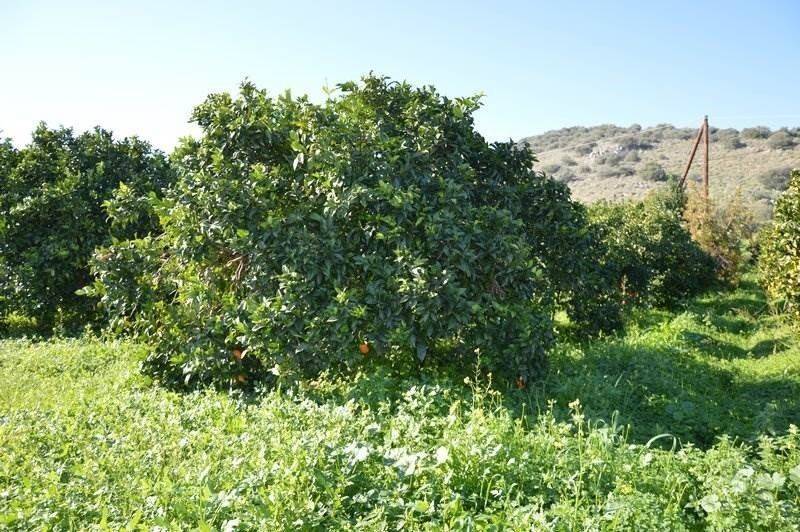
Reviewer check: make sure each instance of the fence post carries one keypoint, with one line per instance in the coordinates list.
(693, 152)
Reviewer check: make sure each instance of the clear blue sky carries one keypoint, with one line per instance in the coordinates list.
(140, 67)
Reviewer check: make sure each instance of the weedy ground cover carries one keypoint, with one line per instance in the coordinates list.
(682, 423)
(723, 364)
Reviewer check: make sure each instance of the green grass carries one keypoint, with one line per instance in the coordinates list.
(87, 442)
(723, 365)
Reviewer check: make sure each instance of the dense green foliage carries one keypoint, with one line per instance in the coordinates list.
(299, 233)
(89, 443)
(724, 230)
(780, 250)
(8, 161)
(52, 217)
(648, 252)
(589, 289)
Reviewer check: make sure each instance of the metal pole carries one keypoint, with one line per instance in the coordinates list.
(691, 155)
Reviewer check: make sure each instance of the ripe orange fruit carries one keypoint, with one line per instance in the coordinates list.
(237, 354)
(363, 347)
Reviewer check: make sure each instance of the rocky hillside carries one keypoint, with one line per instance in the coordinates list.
(612, 162)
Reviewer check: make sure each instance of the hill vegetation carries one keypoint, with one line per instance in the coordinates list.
(612, 162)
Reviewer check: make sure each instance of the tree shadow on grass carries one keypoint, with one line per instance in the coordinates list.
(652, 390)
(666, 390)
(733, 324)
(681, 386)
(734, 315)
(747, 298)
(769, 347)
(728, 351)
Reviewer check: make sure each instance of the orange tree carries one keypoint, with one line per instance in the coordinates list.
(301, 237)
(8, 160)
(779, 258)
(52, 217)
(647, 250)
